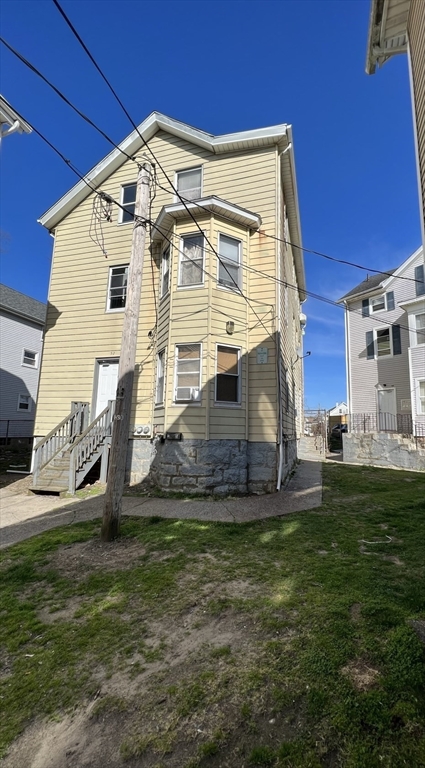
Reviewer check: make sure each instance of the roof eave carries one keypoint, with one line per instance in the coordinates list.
(294, 211)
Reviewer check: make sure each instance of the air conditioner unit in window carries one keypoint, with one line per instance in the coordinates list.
(183, 393)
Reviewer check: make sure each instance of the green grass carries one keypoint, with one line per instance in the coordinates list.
(322, 667)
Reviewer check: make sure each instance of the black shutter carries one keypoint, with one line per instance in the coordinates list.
(370, 346)
(396, 340)
(390, 300)
(420, 280)
(365, 307)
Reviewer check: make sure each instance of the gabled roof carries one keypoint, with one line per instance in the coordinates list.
(275, 135)
(371, 283)
(210, 204)
(24, 306)
(387, 31)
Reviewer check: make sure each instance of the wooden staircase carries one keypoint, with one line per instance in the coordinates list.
(65, 456)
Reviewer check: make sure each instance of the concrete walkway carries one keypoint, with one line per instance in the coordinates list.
(23, 516)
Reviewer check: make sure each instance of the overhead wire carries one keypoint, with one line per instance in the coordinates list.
(87, 119)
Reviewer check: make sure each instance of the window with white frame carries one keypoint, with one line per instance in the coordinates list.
(191, 260)
(128, 201)
(189, 183)
(29, 358)
(377, 303)
(165, 271)
(117, 288)
(421, 396)
(187, 384)
(24, 403)
(383, 342)
(420, 328)
(160, 374)
(229, 251)
(227, 386)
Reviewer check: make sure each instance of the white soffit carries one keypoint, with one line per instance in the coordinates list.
(387, 31)
(210, 204)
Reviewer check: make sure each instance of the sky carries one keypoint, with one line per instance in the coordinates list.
(222, 66)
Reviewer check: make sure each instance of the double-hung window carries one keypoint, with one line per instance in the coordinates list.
(383, 342)
(160, 375)
(128, 201)
(229, 251)
(117, 288)
(165, 271)
(191, 260)
(29, 358)
(189, 184)
(24, 403)
(377, 303)
(227, 388)
(420, 280)
(421, 402)
(420, 328)
(188, 373)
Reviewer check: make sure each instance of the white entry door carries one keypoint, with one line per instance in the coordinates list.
(107, 380)
(387, 410)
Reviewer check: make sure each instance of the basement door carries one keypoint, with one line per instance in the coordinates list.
(107, 379)
(387, 410)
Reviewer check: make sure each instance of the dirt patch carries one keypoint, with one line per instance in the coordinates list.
(47, 616)
(16, 484)
(393, 559)
(77, 560)
(361, 675)
(356, 612)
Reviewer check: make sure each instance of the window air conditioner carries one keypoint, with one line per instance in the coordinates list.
(183, 393)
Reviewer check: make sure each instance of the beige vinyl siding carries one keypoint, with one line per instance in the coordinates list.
(79, 330)
(416, 35)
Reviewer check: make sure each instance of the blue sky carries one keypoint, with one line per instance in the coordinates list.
(223, 67)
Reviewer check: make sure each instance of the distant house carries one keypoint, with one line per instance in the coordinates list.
(385, 350)
(21, 339)
(337, 414)
(398, 26)
(217, 399)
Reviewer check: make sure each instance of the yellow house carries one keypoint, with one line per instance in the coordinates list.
(217, 398)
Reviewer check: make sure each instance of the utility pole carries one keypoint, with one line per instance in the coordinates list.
(121, 424)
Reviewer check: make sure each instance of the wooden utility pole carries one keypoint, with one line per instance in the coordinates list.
(121, 424)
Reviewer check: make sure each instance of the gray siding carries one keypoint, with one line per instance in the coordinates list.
(392, 370)
(15, 378)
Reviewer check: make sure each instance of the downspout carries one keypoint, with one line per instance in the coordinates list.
(347, 361)
(279, 346)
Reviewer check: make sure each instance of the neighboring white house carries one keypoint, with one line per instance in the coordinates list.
(385, 350)
(340, 409)
(21, 339)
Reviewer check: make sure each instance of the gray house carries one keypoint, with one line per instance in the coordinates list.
(21, 339)
(385, 350)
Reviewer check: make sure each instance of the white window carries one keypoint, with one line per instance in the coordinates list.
(378, 303)
(229, 251)
(24, 403)
(191, 260)
(29, 358)
(188, 373)
(189, 183)
(422, 396)
(128, 201)
(165, 271)
(160, 371)
(420, 328)
(383, 342)
(117, 288)
(227, 381)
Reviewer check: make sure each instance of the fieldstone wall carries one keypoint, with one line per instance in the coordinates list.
(383, 449)
(206, 466)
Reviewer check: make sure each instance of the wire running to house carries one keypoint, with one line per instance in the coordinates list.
(88, 120)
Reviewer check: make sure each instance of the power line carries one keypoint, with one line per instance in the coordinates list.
(88, 120)
(92, 59)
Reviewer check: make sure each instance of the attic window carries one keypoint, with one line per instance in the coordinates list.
(189, 183)
(128, 201)
(378, 303)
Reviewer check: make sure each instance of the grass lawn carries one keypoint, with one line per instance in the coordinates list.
(286, 642)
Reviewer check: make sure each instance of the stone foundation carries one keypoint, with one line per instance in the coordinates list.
(207, 466)
(382, 449)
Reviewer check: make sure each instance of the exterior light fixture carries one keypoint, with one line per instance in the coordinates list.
(230, 327)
